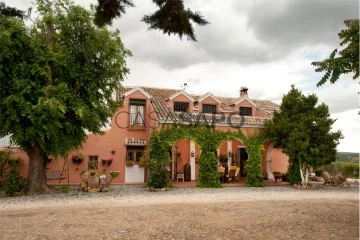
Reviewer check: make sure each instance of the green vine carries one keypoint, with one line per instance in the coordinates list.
(208, 139)
(254, 146)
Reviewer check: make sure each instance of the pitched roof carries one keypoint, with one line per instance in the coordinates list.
(164, 112)
(179, 93)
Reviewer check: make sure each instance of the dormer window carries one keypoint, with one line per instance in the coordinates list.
(137, 114)
(245, 111)
(209, 108)
(181, 107)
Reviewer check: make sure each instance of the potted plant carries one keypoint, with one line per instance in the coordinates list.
(109, 161)
(77, 158)
(80, 158)
(143, 162)
(129, 163)
(93, 164)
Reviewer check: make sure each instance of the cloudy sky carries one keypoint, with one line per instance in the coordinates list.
(264, 45)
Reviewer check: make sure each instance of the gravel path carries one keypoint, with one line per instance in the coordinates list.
(131, 195)
(131, 212)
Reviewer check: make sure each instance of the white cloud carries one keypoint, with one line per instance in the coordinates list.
(349, 124)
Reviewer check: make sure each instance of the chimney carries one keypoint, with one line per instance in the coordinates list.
(243, 92)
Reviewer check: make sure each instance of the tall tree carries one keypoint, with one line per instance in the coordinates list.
(303, 129)
(171, 17)
(347, 61)
(56, 81)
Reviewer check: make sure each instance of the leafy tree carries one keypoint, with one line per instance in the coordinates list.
(56, 81)
(10, 12)
(348, 61)
(303, 129)
(171, 17)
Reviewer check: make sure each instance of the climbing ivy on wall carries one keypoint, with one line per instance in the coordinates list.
(254, 145)
(208, 139)
(159, 159)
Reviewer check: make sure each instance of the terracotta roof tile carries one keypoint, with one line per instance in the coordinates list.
(164, 111)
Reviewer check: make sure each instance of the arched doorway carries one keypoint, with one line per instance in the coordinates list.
(243, 157)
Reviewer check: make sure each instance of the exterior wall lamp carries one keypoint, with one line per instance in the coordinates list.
(230, 154)
(192, 154)
(113, 151)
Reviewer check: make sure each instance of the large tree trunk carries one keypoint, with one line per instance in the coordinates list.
(37, 170)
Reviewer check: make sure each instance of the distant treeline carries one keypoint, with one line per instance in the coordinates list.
(347, 157)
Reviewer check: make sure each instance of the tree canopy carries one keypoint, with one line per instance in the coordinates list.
(302, 128)
(10, 12)
(171, 16)
(347, 61)
(57, 78)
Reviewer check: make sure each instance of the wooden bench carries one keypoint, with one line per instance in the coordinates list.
(55, 175)
(179, 176)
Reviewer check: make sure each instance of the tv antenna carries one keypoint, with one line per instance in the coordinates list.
(184, 86)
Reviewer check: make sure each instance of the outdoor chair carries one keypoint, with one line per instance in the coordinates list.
(236, 170)
(232, 175)
(221, 172)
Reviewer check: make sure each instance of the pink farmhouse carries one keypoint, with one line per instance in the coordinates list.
(144, 109)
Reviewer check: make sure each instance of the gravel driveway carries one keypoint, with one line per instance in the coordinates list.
(131, 212)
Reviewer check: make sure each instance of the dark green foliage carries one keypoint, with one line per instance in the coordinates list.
(254, 146)
(57, 78)
(208, 139)
(5, 161)
(159, 159)
(348, 61)
(171, 17)
(303, 130)
(294, 172)
(10, 12)
(65, 188)
(14, 184)
(347, 157)
(350, 169)
(107, 10)
(55, 114)
(209, 178)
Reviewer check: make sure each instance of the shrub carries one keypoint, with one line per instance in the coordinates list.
(14, 184)
(5, 160)
(64, 188)
(350, 169)
(293, 172)
(318, 172)
(114, 174)
(285, 177)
